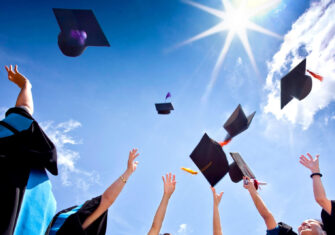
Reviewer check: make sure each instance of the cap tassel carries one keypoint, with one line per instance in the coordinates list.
(317, 76)
(189, 170)
(258, 183)
(224, 142)
(167, 95)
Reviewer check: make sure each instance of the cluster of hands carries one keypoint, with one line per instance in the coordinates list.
(311, 163)
(169, 180)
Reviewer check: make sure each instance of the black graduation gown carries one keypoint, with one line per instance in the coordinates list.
(69, 221)
(329, 220)
(282, 229)
(285, 229)
(20, 152)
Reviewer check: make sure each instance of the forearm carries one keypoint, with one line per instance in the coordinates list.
(216, 221)
(107, 199)
(113, 191)
(320, 194)
(263, 210)
(159, 216)
(25, 97)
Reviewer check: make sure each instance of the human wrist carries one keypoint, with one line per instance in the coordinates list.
(316, 174)
(167, 195)
(127, 174)
(216, 204)
(316, 170)
(252, 191)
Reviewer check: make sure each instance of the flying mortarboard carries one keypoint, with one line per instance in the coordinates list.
(79, 29)
(164, 108)
(295, 84)
(237, 123)
(211, 160)
(239, 168)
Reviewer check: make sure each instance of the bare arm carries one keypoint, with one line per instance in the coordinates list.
(260, 205)
(113, 191)
(216, 216)
(25, 97)
(169, 187)
(318, 189)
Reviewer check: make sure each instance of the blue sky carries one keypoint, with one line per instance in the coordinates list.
(98, 106)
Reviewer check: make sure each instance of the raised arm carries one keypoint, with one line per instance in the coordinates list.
(169, 187)
(260, 205)
(25, 97)
(216, 216)
(318, 189)
(113, 191)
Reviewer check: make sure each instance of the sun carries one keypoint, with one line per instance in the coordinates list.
(236, 21)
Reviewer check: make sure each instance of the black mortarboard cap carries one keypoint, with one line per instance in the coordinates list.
(79, 29)
(164, 108)
(210, 159)
(239, 168)
(295, 84)
(237, 122)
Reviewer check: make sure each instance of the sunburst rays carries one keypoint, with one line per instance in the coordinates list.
(236, 22)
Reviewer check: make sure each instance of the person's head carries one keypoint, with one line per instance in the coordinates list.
(311, 227)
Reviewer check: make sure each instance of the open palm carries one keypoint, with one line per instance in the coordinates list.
(310, 163)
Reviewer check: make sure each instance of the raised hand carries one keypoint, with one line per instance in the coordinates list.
(216, 197)
(169, 184)
(132, 165)
(249, 184)
(312, 164)
(16, 77)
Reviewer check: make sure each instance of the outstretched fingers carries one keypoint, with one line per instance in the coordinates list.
(163, 179)
(133, 154)
(310, 156)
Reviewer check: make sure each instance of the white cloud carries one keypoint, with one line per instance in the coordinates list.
(326, 120)
(183, 229)
(311, 35)
(67, 158)
(239, 61)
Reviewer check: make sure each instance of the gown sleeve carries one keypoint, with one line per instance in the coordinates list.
(329, 219)
(70, 220)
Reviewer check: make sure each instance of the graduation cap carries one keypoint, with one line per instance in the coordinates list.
(79, 29)
(295, 84)
(164, 108)
(239, 168)
(237, 123)
(211, 160)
